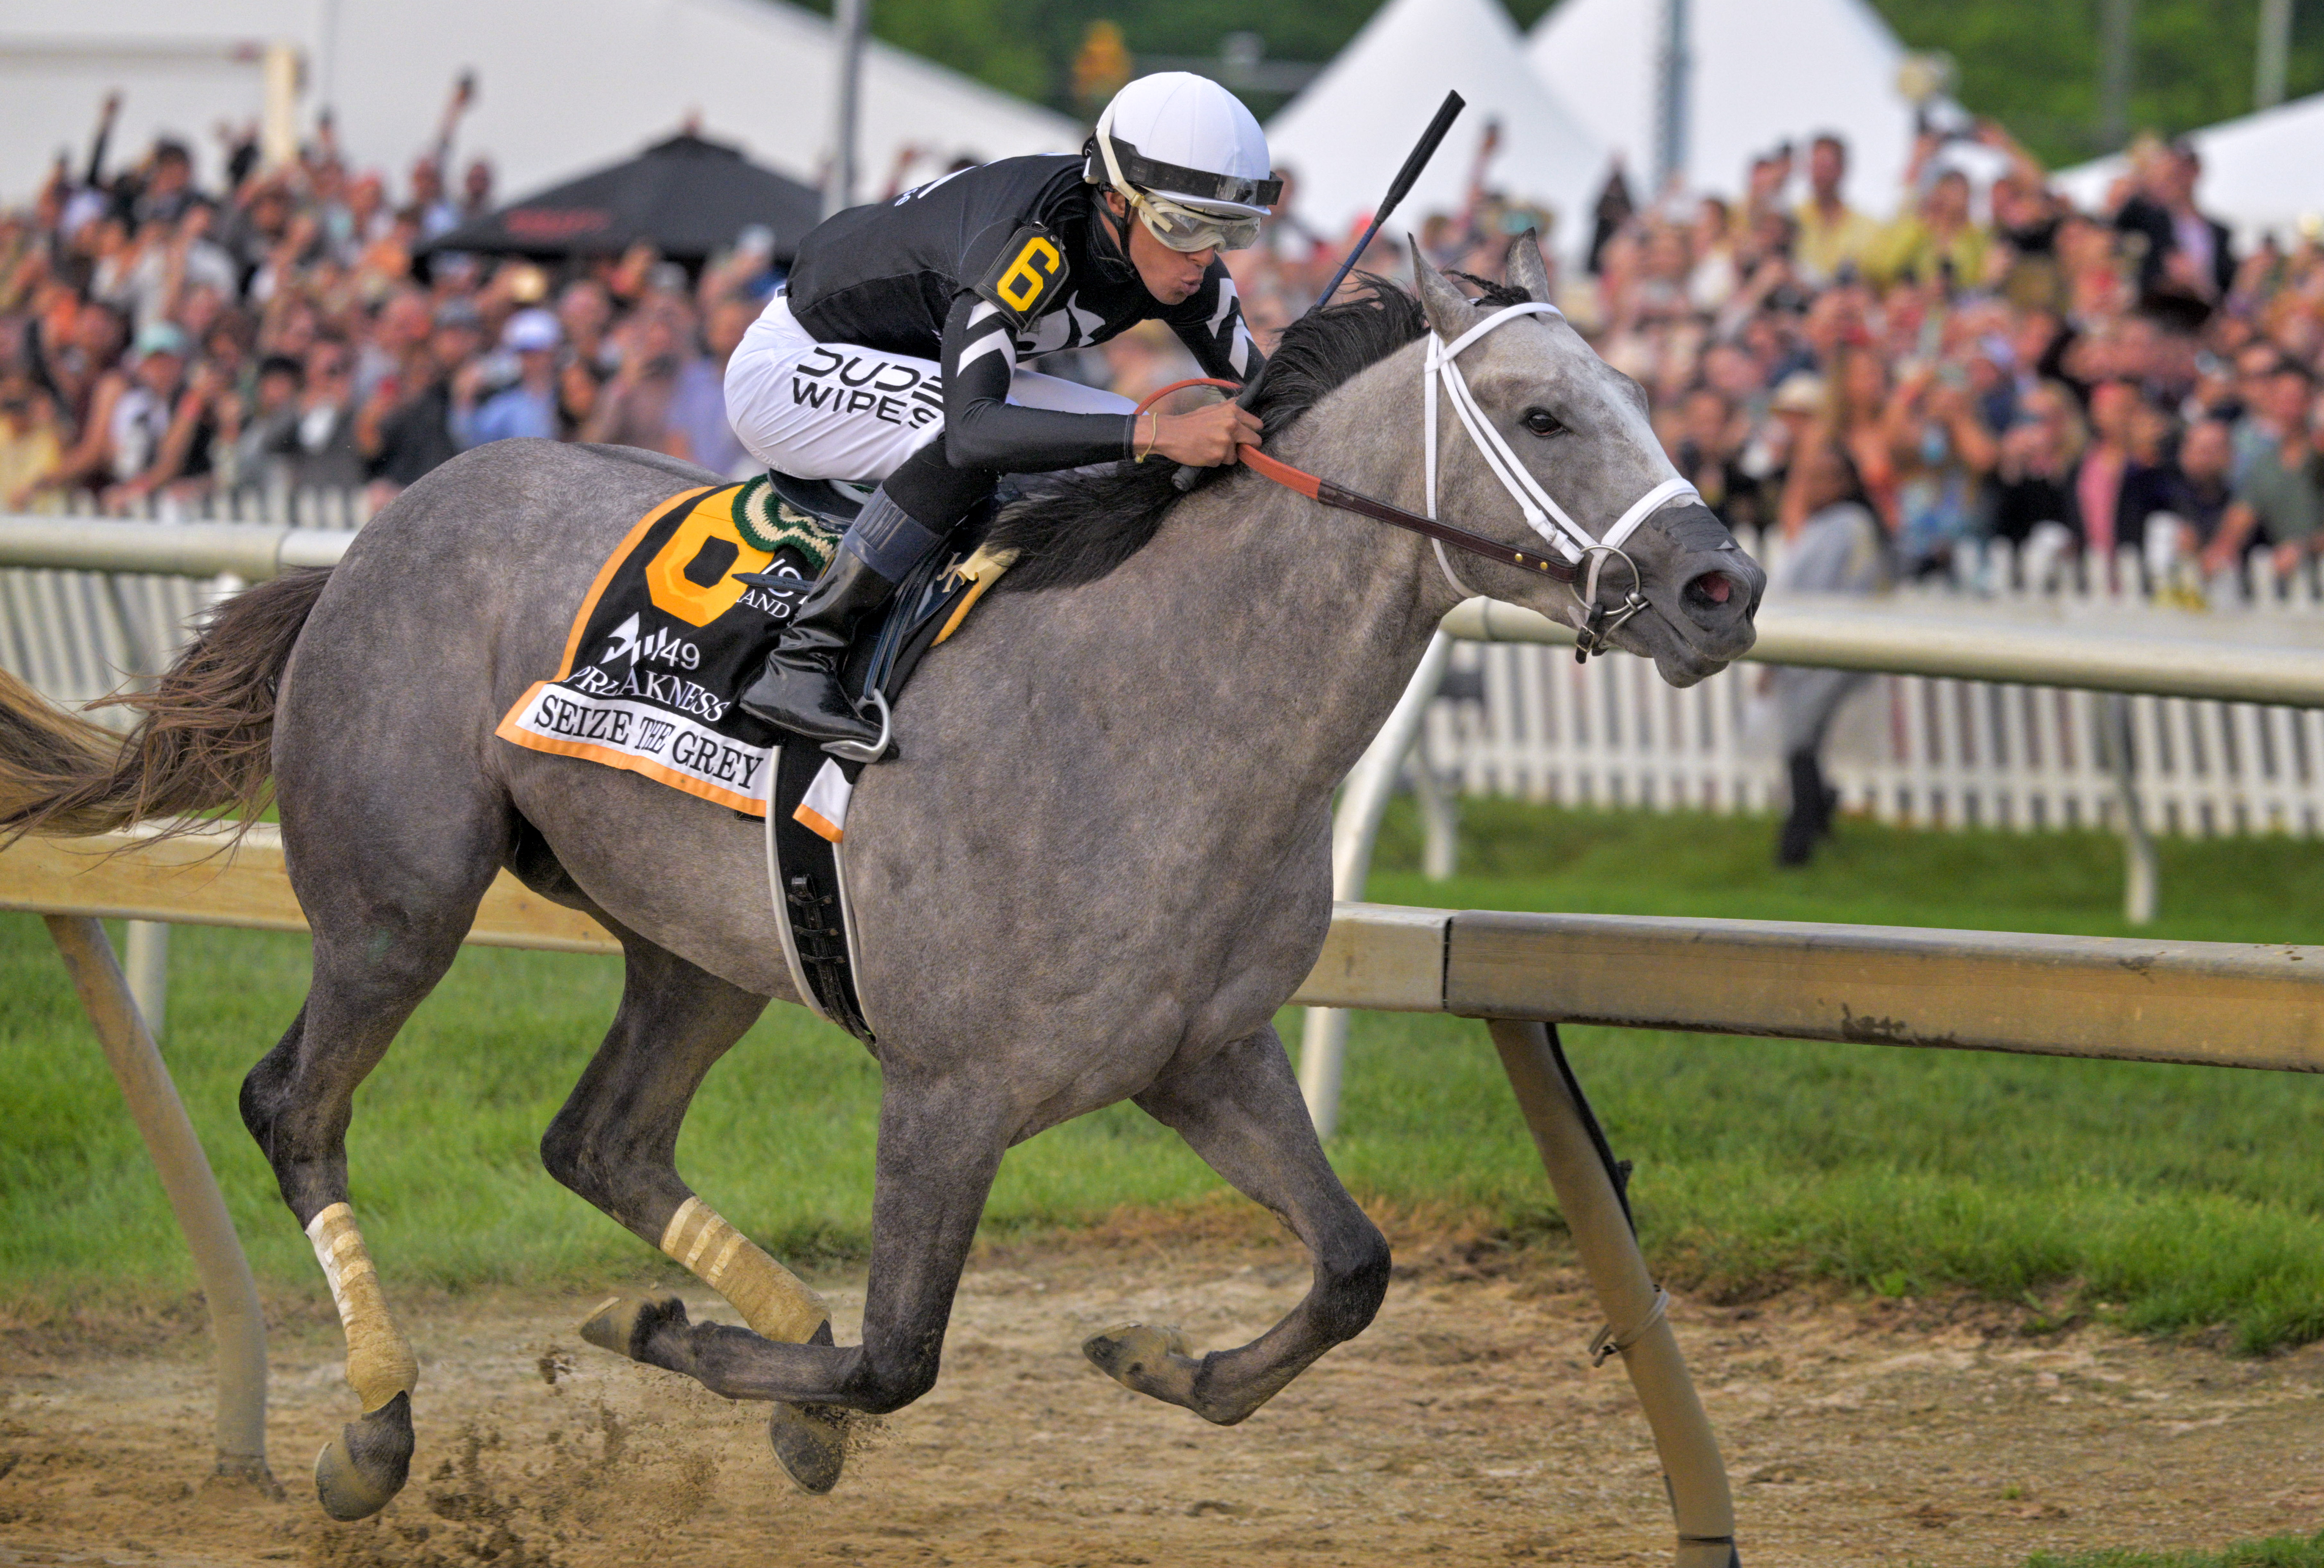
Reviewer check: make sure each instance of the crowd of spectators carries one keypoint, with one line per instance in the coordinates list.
(1989, 362)
(160, 341)
(2112, 391)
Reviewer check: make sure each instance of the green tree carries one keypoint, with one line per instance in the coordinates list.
(2033, 67)
(985, 38)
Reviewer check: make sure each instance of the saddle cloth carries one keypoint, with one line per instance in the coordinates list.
(667, 635)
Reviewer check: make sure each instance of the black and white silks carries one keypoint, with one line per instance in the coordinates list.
(902, 277)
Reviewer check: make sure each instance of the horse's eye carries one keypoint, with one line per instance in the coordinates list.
(1541, 422)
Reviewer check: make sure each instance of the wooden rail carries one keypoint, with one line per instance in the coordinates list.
(2225, 1004)
(2130, 999)
(196, 880)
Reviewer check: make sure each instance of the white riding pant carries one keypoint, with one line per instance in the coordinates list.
(839, 410)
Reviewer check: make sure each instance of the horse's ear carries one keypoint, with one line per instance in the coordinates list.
(1450, 311)
(1528, 271)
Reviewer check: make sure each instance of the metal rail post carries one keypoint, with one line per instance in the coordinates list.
(145, 963)
(1440, 816)
(1355, 825)
(2142, 872)
(1692, 1470)
(236, 1324)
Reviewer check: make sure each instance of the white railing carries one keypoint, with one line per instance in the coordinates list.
(77, 635)
(1526, 721)
(1613, 734)
(335, 508)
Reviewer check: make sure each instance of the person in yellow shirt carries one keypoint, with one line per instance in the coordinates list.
(1940, 236)
(29, 450)
(1832, 235)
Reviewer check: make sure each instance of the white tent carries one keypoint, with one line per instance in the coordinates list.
(1346, 136)
(1762, 71)
(563, 84)
(2261, 173)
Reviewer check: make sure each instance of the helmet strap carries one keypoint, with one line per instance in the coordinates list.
(1117, 235)
(1113, 174)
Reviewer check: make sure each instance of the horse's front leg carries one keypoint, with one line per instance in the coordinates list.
(1241, 1111)
(940, 1145)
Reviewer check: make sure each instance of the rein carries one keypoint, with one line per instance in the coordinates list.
(1574, 544)
(1317, 488)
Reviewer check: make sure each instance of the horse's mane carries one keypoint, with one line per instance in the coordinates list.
(1076, 527)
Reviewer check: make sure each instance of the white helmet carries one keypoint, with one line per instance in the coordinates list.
(1185, 153)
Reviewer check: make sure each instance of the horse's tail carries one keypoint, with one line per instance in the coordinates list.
(202, 742)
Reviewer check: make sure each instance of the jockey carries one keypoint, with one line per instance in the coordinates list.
(893, 353)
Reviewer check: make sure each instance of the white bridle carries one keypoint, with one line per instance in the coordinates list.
(1541, 510)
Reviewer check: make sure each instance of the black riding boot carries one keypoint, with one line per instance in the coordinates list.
(800, 688)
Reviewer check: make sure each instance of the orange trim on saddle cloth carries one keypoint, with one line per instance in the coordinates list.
(508, 730)
(613, 564)
(823, 809)
(749, 805)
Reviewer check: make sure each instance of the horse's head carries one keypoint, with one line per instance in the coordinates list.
(1579, 429)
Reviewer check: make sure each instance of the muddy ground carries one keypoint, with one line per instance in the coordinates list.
(1466, 1427)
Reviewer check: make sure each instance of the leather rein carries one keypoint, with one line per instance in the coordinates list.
(1318, 489)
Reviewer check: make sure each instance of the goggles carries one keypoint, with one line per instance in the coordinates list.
(1186, 228)
(1177, 225)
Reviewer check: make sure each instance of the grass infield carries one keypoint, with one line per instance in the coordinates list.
(2172, 1199)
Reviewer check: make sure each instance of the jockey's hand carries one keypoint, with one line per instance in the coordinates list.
(1206, 437)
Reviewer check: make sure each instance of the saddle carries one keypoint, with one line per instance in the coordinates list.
(824, 501)
(927, 606)
(680, 618)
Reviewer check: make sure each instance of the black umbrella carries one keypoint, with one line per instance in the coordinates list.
(686, 197)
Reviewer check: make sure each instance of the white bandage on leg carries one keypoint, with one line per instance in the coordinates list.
(773, 1300)
(380, 1363)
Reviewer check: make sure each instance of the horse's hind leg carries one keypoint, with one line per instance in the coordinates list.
(616, 1143)
(1241, 1111)
(382, 939)
(940, 1145)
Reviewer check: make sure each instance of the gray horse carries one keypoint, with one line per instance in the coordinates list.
(1099, 865)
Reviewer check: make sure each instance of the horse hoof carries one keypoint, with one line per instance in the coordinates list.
(360, 1475)
(1143, 1359)
(810, 1444)
(625, 1321)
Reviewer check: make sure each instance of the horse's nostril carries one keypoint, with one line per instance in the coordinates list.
(1710, 588)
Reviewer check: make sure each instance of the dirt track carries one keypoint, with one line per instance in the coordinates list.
(1465, 1427)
